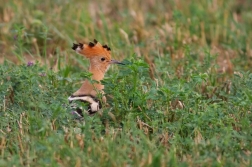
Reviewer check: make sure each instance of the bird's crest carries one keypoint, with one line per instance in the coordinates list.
(92, 49)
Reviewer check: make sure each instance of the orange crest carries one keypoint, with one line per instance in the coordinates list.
(92, 49)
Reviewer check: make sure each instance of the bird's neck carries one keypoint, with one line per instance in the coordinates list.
(91, 89)
(98, 74)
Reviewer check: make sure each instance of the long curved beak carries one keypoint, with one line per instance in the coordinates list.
(116, 62)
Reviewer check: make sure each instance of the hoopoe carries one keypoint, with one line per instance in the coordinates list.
(100, 60)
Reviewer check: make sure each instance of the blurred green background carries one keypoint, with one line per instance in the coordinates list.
(149, 28)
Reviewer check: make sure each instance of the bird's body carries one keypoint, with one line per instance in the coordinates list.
(100, 60)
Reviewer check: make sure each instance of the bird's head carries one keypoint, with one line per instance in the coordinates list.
(99, 55)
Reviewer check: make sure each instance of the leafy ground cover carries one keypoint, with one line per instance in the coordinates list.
(182, 99)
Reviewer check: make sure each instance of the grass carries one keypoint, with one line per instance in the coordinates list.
(182, 99)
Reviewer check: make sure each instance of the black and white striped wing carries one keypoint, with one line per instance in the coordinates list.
(94, 104)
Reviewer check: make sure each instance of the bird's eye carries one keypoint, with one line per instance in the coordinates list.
(103, 58)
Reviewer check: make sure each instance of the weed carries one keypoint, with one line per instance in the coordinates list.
(183, 97)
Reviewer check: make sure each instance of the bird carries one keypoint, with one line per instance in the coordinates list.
(100, 60)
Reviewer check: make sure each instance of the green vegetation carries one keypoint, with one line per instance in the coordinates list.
(182, 99)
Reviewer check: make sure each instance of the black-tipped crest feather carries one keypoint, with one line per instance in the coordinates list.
(75, 46)
(91, 44)
(81, 45)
